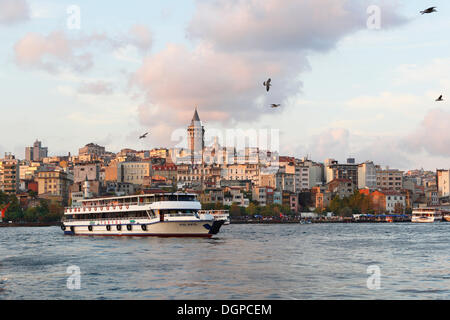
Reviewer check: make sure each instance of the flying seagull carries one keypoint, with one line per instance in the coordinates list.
(267, 84)
(440, 98)
(143, 136)
(273, 105)
(429, 10)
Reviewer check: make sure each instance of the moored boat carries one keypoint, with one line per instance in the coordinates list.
(161, 214)
(426, 215)
(218, 215)
(446, 215)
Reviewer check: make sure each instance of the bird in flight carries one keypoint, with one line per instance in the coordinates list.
(440, 98)
(143, 136)
(429, 10)
(273, 105)
(267, 84)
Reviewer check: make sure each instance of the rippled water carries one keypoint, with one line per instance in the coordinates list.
(316, 261)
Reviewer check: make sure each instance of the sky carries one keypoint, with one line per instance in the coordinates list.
(349, 84)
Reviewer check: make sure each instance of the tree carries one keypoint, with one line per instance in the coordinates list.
(235, 210)
(266, 210)
(14, 211)
(276, 210)
(335, 204)
(286, 209)
(219, 206)
(252, 209)
(30, 215)
(345, 212)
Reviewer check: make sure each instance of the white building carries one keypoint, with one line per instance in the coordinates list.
(308, 174)
(395, 200)
(443, 183)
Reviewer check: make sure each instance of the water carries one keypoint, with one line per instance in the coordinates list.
(316, 261)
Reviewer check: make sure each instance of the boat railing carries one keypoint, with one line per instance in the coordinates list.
(112, 205)
(64, 219)
(214, 212)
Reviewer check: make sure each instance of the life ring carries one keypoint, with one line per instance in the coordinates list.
(120, 207)
(90, 228)
(108, 227)
(63, 227)
(90, 209)
(114, 207)
(95, 208)
(128, 207)
(101, 208)
(119, 227)
(144, 227)
(129, 227)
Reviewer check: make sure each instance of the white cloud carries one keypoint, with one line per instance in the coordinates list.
(59, 52)
(432, 135)
(13, 11)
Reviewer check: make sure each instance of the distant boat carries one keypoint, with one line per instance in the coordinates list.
(426, 215)
(446, 215)
(218, 215)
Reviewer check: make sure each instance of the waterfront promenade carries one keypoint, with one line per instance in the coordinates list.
(298, 219)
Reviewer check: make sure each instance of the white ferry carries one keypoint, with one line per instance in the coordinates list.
(218, 215)
(160, 214)
(446, 215)
(426, 215)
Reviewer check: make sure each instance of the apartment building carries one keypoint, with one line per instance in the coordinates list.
(367, 175)
(54, 185)
(133, 172)
(9, 174)
(389, 179)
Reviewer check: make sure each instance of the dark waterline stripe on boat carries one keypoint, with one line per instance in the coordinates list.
(184, 235)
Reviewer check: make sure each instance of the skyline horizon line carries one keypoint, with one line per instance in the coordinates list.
(304, 157)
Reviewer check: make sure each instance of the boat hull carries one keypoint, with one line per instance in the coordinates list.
(423, 219)
(157, 229)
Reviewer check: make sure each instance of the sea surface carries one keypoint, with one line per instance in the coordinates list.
(285, 261)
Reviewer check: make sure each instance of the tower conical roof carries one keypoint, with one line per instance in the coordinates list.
(195, 117)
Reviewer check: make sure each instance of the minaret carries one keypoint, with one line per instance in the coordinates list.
(87, 193)
(196, 138)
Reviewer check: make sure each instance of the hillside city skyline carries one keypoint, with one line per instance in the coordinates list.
(40, 142)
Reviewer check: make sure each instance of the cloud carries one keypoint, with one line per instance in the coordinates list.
(57, 51)
(334, 142)
(13, 11)
(385, 101)
(385, 151)
(140, 36)
(239, 44)
(96, 87)
(293, 25)
(50, 53)
(225, 85)
(436, 70)
(432, 135)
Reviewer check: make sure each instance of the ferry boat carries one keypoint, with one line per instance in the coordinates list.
(446, 215)
(426, 215)
(160, 214)
(218, 215)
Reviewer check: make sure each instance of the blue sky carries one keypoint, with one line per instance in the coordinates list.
(369, 95)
